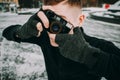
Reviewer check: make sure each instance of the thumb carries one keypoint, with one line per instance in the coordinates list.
(79, 34)
(77, 30)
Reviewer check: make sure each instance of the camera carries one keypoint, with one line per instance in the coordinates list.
(57, 24)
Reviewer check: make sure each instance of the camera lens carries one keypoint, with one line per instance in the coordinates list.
(55, 27)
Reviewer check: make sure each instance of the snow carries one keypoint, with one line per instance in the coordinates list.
(88, 10)
(32, 11)
(23, 61)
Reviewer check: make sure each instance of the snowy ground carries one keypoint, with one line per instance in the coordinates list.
(25, 61)
(19, 61)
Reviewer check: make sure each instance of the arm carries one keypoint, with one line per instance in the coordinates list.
(10, 34)
(23, 33)
(99, 62)
(102, 44)
(113, 66)
(30, 31)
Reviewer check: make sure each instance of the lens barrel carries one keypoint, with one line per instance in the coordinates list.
(55, 27)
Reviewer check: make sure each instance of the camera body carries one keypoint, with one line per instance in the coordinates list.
(57, 24)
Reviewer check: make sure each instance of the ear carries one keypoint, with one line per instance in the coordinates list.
(81, 19)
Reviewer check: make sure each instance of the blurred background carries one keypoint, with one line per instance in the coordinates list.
(14, 5)
(25, 61)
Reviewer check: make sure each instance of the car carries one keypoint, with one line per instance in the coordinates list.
(115, 7)
(112, 15)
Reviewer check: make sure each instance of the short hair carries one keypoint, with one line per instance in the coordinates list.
(71, 2)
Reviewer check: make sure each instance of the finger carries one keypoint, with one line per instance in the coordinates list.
(33, 23)
(39, 27)
(43, 18)
(52, 36)
(39, 33)
(78, 33)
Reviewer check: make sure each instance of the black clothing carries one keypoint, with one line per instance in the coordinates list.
(29, 28)
(57, 66)
(82, 51)
(75, 47)
(62, 68)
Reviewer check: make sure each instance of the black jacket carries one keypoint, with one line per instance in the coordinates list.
(62, 68)
(98, 60)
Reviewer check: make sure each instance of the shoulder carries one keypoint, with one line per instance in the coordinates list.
(104, 45)
(96, 41)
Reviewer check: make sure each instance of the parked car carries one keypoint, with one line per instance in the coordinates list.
(112, 15)
(115, 7)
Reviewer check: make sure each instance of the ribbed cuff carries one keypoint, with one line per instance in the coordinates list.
(62, 38)
(10, 33)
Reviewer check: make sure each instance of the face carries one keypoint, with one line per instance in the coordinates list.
(70, 13)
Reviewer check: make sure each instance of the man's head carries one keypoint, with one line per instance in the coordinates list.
(70, 10)
(71, 2)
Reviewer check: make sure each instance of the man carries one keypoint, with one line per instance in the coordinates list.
(72, 56)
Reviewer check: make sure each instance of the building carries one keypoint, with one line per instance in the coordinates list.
(8, 5)
(9, 1)
(12, 5)
(30, 3)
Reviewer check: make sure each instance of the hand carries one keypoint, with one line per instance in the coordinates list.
(9, 32)
(75, 47)
(45, 21)
(72, 46)
(53, 36)
(52, 39)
